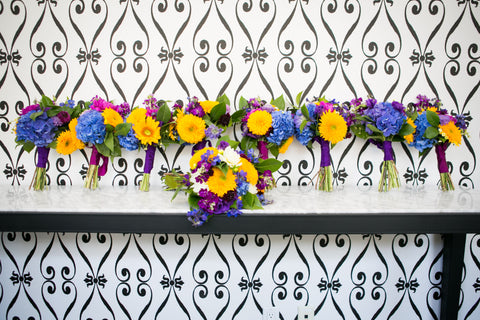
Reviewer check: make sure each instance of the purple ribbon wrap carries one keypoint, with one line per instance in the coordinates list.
(262, 149)
(95, 160)
(441, 158)
(42, 156)
(149, 158)
(387, 151)
(325, 153)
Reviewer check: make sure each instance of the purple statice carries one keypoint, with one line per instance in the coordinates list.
(283, 127)
(130, 141)
(387, 117)
(420, 142)
(32, 107)
(213, 132)
(123, 109)
(90, 127)
(100, 104)
(194, 107)
(268, 107)
(197, 217)
(422, 102)
(40, 131)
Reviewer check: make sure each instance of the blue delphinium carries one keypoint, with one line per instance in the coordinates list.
(40, 131)
(91, 127)
(130, 141)
(419, 141)
(283, 127)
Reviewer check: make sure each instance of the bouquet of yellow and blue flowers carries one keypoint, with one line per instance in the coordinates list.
(435, 127)
(47, 125)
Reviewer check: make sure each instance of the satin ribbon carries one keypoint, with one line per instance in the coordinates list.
(42, 156)
(95, 160)
(441, 158)
(149, 158)
(325, 153)
(387, 151)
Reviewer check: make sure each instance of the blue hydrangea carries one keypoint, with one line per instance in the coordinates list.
(419, 141)
(303, 136)
(91, 127)
(387, 118)
(40, 131)
(130, 141)
(283, 127)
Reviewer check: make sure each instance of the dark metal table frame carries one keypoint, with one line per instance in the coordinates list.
(453, 226)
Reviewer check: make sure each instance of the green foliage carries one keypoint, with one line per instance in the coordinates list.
(163, 113)
(279, 102)
(251, 202)
(268, 164)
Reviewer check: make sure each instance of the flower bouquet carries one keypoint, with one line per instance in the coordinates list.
(221, 181)
(150, 128)
(45, 125)
(100, 126)
(326, 123)
(434, 127)
(200, 121)
(382, 123)
(266, 128)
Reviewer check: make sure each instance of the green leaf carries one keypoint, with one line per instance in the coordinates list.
(251, 202)
(102, 148)
(171, 181)
(268, 164)
(373, 128)
(238, 115)
(406, 129)
(122, 129)
(431, 133)
(28, 146)
(279, 102)
(433, 118)
(303, 124)
(163, 113)
(223, 99)
(46, 102)
(359, 131)
(218, 111)
(248, 143)
(242, 103)
(234, 144)
(273, 148)
(223, 167)
(35, 115)
(109, 141)
(298, 98)
(109, 128)
(305, 112)
(193, 201)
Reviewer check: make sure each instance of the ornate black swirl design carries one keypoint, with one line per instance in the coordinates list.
(365, 180)
(63, 167)
(14, 171)
(120, 166)
(283, 173)
(415, 176)
(306, 175)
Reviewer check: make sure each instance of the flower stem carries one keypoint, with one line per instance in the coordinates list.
(91, 180)
(39, 179)
(145, 183)
(389, 176)
(446, 182)
(324, 179)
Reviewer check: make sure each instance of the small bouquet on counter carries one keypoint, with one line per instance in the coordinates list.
(382, 123)
(150, 129)
(266, 128)
(221, 180)
(99, 127)
(435, 127)
(325, 122)
(47, 125)
(200, 122)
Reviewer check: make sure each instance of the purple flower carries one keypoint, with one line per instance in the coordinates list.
(386, 118)
(197, 217)
(100, 104)
(64, 117)
(40, 131)
(213, 132)
(123, 109)
(35, 107)
(223, 144)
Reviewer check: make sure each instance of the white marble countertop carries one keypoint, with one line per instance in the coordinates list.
(287, 200)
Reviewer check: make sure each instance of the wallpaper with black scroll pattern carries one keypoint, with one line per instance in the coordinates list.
(124, 50)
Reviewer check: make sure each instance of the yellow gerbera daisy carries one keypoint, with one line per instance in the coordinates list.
(249, 169)
(72, 125)
(220, 183)
(197, 156)
(409, 138)
(137, 115)
(332, 127)
(259, 122)
(451, 132)
(208, 105)
(148, 131)
(112, 117)
(191, 128)
(285, 145)
(67, 143)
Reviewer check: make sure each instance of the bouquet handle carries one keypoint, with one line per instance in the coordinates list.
(147, 168)
(40, 176)
(446, 182)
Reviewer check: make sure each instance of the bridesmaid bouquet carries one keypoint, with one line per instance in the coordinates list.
(100, 126)
(325, 122)
(46, 125)
(382, 123)
(435, 127)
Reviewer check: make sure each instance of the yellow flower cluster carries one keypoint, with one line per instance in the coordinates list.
(451, 132)
(147, 130)
(191, 128)
(332, 127)
(259, 122)
(67, 141)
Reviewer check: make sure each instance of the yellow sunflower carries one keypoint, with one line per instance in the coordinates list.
(332, 127)
(409, 138)
(67, 143)
(208, 105)
(197, 156)
(112, 117)
(249, 169)
(72, 125)
(220, 183)
(137, 115)
(451, 132)
(259, 122)
(191, 128)
(147, 131)
(285, 145)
